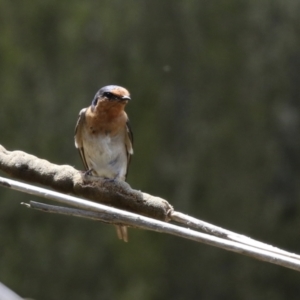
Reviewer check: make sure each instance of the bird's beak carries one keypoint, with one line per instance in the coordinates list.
(127, 98)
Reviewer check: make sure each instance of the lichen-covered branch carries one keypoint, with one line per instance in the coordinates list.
(68, 180)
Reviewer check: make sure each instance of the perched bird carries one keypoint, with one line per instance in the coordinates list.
(104, 138)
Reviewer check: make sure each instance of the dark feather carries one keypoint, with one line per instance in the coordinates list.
(128, 144)
(78, 137)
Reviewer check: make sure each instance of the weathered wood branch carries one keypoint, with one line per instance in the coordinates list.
(226, 234)
(149, 224)
(67, 180)
(119, 194)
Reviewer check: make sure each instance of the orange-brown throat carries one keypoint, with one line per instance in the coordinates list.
(106, 117)
(110, 109)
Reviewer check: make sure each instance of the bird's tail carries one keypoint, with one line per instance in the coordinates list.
(122, 232)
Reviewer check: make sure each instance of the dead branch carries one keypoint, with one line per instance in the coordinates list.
(133, 220)
(119, 194)
(67, 180)
(226, 234)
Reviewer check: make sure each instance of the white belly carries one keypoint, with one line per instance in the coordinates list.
(106, 156)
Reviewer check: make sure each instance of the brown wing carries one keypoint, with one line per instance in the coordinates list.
(78, 136)
(128, 143)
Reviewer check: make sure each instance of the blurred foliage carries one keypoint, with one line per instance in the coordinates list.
(215, 114)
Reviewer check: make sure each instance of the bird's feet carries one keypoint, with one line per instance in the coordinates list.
(89, 172)
(111, 180)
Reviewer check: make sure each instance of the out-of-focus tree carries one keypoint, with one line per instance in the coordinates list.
(215, 114)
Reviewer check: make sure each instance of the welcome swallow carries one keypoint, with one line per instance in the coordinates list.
(104, 138)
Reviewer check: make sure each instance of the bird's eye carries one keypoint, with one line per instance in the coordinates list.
(108, 95)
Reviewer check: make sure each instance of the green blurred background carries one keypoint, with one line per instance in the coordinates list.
(215, 115)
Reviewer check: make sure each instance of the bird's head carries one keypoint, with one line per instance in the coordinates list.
(111, 95)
